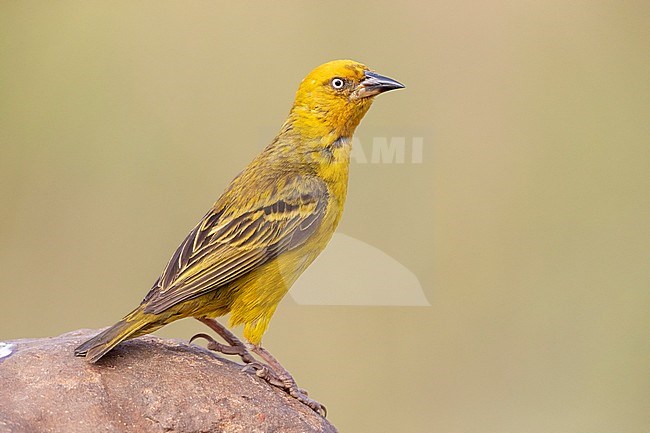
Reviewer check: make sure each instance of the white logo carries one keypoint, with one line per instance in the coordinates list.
(352, 272)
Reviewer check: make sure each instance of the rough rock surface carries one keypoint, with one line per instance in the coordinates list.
(144, 385)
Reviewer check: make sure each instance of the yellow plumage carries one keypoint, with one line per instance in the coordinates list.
(272, 221)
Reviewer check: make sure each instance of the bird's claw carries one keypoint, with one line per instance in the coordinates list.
(226, 349)
(273, 372)
(287, 384)
(264, 372)
(201, 335)
(258, 368)
(313, 404)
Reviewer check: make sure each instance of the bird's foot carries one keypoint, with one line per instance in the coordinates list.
(301, 395)
(260, 369)
(270, 370)
(234, 346)
(226, 349)
(265, 372)
(287, 382)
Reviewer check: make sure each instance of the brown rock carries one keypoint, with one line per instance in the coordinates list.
(144, 385)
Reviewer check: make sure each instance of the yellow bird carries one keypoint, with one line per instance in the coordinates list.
(272, 221)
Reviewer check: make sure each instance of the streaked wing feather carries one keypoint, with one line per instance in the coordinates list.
(222, 248)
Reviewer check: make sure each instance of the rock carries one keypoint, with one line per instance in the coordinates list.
(144, 385)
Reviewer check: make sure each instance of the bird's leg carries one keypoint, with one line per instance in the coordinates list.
(272, 371)
(236, 347)
(215, 346)
(288, 383)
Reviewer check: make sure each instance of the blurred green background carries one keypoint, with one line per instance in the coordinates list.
(527, 222)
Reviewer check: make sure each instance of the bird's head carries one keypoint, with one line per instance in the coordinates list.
(333, 98)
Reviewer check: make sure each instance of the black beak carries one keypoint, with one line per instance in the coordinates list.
(374, 84)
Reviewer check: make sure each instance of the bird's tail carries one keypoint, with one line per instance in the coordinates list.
(133, 325)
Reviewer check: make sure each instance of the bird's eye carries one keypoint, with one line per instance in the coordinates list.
(338, 83)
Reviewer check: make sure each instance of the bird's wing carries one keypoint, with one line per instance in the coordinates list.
(227, 245)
